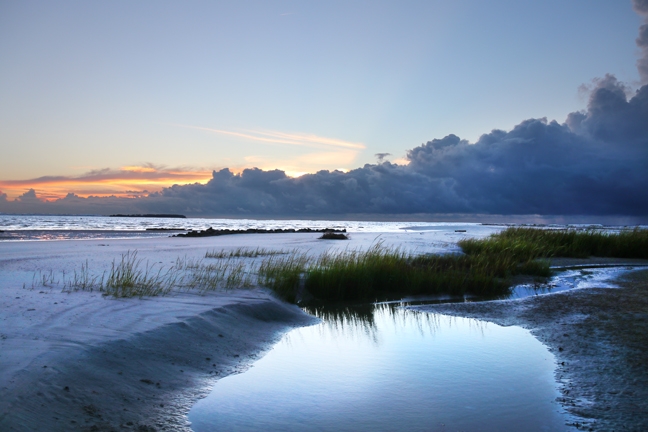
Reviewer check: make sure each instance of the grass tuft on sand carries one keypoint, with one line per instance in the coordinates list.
(245, 253)
(485, 268)
(130, 276)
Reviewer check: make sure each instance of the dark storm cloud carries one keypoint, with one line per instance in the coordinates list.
(596, 163)
(641, 7)
(382, 156)
(29, 196)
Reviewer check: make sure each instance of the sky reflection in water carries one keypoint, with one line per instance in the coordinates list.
(384, 368)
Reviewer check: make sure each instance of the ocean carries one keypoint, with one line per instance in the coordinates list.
(55, 227)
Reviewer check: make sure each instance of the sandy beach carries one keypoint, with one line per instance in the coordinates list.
(82, 361)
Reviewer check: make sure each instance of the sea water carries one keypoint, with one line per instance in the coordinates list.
(43, 227)
(382, 367)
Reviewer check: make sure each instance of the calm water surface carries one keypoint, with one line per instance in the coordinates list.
(380, 367)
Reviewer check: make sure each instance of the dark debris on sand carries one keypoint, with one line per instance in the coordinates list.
(210, 232)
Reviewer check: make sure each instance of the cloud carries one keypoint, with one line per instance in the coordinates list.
(29, 196)
(641, 7)
(381, 156)
(144, 172)
(105, 182)
(330, 151)
(294, 165)
(593, 164)
(274, 137)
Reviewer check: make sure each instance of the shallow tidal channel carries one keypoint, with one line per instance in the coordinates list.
(387, 368)
(383, 367)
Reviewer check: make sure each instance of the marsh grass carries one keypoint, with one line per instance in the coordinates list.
(229, 274)
(246, 253)
(283, 274)
(131, 276)
(43, 279)
(486, 267)
(382, 273)
(526, 244)
(83, 280)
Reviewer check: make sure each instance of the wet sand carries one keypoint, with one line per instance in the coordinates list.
(145, 381)
(79, 361)
(600, 339)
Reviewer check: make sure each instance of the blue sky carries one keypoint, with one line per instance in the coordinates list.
(189, 87)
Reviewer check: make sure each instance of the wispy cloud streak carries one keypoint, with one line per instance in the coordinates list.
(275, 137)
(127, 181)
(109, 175)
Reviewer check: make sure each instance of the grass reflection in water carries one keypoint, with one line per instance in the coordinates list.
(381, 367)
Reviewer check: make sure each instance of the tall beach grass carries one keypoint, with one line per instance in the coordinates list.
(532, 243)
(485, 268)
(243, 252)
(131, 276)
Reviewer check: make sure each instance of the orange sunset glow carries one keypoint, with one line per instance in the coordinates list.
(125, 182)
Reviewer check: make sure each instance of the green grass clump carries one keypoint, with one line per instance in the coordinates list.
(229, 274)
(530, 243)
(130, 278)
(381, 272)
(283, 274)
(485, 268)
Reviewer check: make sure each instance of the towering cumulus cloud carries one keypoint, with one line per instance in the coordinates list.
(641, 7)
(596, 163)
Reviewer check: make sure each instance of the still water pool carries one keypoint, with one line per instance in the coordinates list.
(380, 367)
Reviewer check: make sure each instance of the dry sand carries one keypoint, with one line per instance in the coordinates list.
(600, 339)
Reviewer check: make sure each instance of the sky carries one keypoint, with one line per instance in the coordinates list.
(244, 108)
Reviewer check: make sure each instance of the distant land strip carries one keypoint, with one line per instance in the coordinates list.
(209, 232)
(151, 215)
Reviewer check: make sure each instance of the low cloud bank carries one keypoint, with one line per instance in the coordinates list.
(596, 163)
